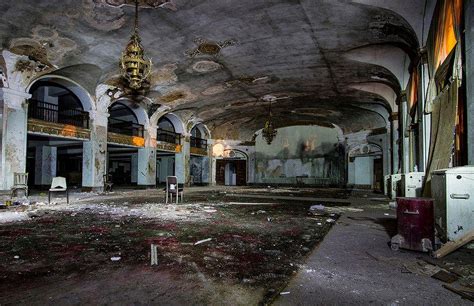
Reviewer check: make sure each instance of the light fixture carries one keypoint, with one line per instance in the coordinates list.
(268, 131)
(134, 66)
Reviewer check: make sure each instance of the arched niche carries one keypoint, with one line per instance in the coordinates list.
(127, 118)
(199, 130)
(80, 92)
(175, 121)
(393, 58)
(139, 112)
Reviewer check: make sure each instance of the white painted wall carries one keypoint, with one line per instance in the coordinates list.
(364, 170)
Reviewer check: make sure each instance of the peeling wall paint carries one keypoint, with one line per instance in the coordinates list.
(301, 155)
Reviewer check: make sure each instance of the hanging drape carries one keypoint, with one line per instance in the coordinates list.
(444, 36)
(413, 91)
(443, 125)
(445, 32)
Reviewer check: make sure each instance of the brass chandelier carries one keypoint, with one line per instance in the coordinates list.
(134, 66)
(268, 131)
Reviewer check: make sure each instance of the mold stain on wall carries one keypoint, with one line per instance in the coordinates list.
(301, 155)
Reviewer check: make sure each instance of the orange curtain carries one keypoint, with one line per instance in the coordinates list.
(447, 30)
(413, 91)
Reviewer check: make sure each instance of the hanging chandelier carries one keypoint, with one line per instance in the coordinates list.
(268, 131)
(134, 66)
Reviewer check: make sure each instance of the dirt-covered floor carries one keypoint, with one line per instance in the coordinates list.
(250, 250)
(238, 246)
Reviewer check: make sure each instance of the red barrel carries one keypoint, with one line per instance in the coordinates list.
(415, 218)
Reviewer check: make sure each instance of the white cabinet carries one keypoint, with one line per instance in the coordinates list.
(411, 184)
(453, 192)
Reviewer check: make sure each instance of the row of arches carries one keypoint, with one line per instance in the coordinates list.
(62, 102)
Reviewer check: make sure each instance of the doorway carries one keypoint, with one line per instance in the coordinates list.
(231, 172)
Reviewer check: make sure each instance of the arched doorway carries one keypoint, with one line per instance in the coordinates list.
(58, 124)
(365, 167)
(231, 169)
(125, 137)
(168, 136)
(199, 160)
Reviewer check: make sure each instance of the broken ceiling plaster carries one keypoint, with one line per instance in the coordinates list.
(206, 66)
(214, 90)
(209, 47)
(164, 76)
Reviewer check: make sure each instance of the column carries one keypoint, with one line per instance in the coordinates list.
(387, 145)
(425, 119)
(395, 147)
(147, 159)
(94, 160)
(134, 168)
(469, 48)
(46, 159)
(14, 135)
(207, 168)
(146, 167)
(405, 141)
(182, 161)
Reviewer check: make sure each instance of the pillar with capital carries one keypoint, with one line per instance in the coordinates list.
(14, 135)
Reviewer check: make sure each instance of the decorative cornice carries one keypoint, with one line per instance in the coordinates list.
(198, 151)
(168, 147)
(14, 98)
(133, 141)
(57, 129)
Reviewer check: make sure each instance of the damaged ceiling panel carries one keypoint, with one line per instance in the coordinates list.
(220, 57)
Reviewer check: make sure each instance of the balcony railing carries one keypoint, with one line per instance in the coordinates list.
(198, 143)
(50, 112)
(125, 127)
(168, 136)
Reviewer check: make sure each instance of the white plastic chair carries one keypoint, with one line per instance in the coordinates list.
(58, 185)
(20, 181)
(172, 187)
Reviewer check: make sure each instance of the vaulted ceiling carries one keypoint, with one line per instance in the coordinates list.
(216, 59)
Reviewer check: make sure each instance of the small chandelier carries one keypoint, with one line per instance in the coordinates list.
(268, 131)
(134, 66)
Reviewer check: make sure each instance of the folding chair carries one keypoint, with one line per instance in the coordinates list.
(58, 185)
(20, 181)
(108, 185)
(173, 188)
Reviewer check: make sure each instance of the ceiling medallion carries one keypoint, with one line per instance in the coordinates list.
(268, 131)
(206, 47)
(134, 66)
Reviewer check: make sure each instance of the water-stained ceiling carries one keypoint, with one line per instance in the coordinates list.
(217, 58)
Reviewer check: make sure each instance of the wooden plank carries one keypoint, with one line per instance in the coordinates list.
(452, 246)
(463, 294)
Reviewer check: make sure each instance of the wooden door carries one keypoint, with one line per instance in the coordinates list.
(378, 174)
(241, 172)
(220, 171)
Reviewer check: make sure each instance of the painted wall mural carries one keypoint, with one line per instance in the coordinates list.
(303, 155)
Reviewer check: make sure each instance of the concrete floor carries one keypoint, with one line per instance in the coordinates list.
(352, 265)
(355, 266)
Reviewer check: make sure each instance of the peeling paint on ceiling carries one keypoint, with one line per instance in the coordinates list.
(209, 55)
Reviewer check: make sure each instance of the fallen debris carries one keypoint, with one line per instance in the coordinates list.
(154, 255)
(203, 241)
(452, 246)
(463, 294)
(445, 276)
(285, 293)
(115, 258)
(13, 216)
